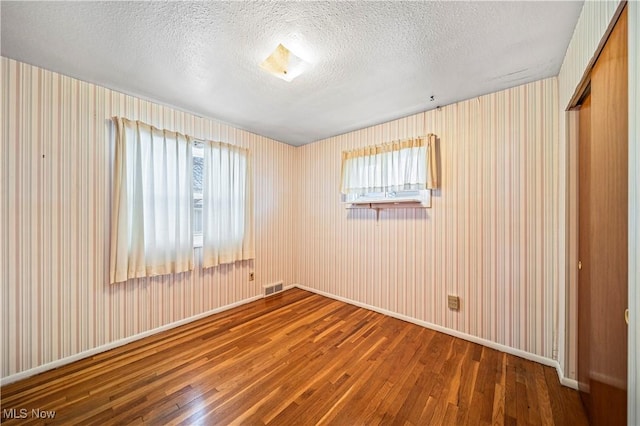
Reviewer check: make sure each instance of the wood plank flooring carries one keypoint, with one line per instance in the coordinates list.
(297, 359)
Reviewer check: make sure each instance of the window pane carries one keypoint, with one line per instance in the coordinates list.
(197, 220)
(198, 169)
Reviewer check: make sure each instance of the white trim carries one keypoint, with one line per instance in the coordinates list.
(565, 381)
(112, 345)
(493, 345)
(488, 343)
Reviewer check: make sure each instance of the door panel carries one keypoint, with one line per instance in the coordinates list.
(603, 234)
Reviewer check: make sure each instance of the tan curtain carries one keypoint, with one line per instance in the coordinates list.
(401, 165)
(151, 217)
(227, 204)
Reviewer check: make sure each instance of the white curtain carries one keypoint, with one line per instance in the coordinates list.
(395, 166)
(227, 205)
(151, 231)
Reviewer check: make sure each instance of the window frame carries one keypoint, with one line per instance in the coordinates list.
(197, 151)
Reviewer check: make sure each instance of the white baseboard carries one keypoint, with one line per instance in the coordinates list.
(570, 383)
(488, 343)
(91, 352)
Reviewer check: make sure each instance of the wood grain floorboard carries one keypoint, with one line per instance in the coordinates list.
(297, 359)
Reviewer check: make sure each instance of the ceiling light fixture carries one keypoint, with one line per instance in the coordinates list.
(284, 64)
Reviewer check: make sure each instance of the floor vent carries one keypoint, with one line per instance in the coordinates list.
(273, 288)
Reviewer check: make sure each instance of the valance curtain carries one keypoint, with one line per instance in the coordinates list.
(227, 205)
(396, 166)
(151, 224)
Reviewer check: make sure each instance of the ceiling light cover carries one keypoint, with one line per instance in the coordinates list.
(284, 64)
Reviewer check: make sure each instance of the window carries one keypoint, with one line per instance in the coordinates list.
(391, 171)
(171, 194)
(198, 176)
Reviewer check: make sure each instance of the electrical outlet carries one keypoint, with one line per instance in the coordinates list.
(453, 302)
(252, 276)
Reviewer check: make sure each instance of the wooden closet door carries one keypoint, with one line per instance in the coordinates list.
(603, 235)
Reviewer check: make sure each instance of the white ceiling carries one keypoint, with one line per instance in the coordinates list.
(371, 62)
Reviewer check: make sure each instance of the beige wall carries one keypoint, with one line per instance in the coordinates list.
(593, 23)
(491, 237)
(56, 163)
(494, 244)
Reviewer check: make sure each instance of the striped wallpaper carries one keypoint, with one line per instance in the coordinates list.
(491, 236)
(496, 235)
(594, 20)
(56, 162)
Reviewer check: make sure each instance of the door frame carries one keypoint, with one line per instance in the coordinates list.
(570, 117)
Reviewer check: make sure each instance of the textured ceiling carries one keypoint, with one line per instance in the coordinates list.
(370, 61)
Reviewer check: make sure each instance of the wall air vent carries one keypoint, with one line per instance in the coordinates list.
(273, 288)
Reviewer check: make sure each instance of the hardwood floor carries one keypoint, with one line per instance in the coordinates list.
(297, 359)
